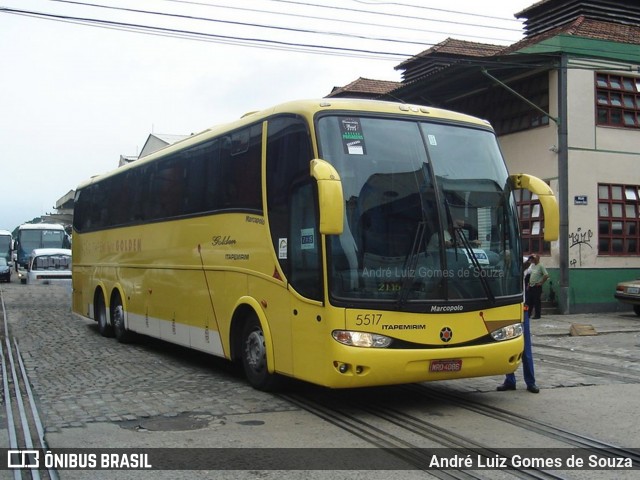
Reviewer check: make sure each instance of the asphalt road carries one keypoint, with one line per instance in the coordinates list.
(93, 392)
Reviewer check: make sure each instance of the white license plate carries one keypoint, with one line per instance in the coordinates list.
(633, 290)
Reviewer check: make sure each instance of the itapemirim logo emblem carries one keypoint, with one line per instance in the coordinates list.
(446, 334)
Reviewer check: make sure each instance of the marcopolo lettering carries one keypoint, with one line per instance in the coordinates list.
(446, 308)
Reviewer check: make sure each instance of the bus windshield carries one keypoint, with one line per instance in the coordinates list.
(35, 236)
(429, 215)
(32, 239)
(5, 246)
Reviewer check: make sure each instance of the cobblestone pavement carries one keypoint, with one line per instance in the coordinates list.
(80, 377)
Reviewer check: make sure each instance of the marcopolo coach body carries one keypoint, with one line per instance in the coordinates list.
(344, 242)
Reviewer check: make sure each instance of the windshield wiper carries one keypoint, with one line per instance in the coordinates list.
(459, 232)
(411, 262)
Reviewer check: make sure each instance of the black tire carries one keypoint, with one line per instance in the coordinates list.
(117, 320)
(254, 357)
(104, 327)
(636, 308)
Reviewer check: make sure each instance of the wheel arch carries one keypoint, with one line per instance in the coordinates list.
(245, 308)
(100, 291)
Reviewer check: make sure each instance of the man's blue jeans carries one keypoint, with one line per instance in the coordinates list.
(527, 358)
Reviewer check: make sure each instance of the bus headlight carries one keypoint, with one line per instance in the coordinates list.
(508, 332)
(361, 339)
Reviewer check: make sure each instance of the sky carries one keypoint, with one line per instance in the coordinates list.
(81, 84)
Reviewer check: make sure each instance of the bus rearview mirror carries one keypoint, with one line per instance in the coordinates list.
(547, 201)
(330, 197)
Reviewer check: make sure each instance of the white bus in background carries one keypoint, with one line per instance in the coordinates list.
(38, 235)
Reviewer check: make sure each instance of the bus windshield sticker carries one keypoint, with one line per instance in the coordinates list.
(352, 136)
(432, 140)
(282, 248)
(307, 240)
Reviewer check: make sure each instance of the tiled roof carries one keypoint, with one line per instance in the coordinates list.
(367, 86)
(585, 28)
(550, 14)
(453, 46)
(524, 13)
(615, 32)
(444, 54)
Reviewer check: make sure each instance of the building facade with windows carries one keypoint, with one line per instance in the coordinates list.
(565, 103)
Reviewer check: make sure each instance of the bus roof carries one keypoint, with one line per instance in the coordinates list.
(40, 226)
(5, 232)
(306, 108)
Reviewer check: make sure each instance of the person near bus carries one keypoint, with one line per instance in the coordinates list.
(539, 276)
(527, 355)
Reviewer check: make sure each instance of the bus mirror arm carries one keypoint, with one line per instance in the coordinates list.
(330, 197)
(547, 201)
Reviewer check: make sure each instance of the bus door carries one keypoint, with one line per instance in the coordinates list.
(309, 323)
(293, 222)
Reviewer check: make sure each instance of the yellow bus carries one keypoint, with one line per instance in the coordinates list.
(342, 242)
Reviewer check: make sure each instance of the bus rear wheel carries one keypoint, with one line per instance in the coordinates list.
(101, 316)
(254, 357)
(117, 318)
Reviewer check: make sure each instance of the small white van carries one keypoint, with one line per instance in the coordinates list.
(48, 265)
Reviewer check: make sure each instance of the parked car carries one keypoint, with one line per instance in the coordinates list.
(49, 265)
(5, 270)
(629, 292)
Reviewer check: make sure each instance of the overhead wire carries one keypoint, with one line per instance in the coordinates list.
(386, 14)
(331, 19)
(262, 42)
(238, 23)
(180, 33)
(435, 9)
(227, 39)
(470, 47)
(364, 37)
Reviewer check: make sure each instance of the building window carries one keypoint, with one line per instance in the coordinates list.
(617, 100)
(618, 219)
(531, 218)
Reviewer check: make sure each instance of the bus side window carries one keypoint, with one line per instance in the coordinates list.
(239, 169)
(246, 152)
(288, 155)
(166, 189)
(195, 179)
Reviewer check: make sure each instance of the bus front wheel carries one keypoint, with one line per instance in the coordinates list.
(254, 357)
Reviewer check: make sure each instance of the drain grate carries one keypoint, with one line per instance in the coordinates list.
(170, 423)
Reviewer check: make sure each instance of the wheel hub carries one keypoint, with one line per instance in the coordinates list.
(255, 351)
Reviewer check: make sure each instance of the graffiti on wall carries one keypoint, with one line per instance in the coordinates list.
(579, 238)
